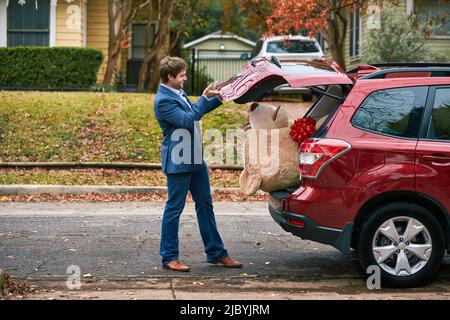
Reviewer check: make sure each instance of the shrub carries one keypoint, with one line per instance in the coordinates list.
(43, 68)
(397, 41)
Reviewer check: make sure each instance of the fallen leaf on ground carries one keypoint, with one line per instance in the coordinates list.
(127, 197)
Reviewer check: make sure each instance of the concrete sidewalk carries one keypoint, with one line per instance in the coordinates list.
(242, 288)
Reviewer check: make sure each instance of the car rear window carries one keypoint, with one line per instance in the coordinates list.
(324, 108)
(292, 46)
(397, 112)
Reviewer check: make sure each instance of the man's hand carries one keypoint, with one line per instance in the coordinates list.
(212, 90)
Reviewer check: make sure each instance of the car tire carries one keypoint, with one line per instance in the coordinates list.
(398, 269)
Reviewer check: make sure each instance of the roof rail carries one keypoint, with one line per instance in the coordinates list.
(401, 72)
(403, 64)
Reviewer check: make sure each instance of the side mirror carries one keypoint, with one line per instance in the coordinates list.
(275, 61)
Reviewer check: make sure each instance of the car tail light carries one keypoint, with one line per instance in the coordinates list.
(296, 222)
(315, 154)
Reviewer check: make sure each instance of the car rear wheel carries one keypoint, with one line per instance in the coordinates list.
(405, 240)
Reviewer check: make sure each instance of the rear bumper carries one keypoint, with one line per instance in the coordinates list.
(311, 230)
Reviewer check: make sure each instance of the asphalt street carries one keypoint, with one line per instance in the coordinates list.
(117, 243)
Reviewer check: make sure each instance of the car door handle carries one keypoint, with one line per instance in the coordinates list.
(436, 160)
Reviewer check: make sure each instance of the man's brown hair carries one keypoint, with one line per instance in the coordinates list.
(172, 66)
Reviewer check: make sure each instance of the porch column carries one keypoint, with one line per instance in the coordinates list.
(409, 6)
(3, 23)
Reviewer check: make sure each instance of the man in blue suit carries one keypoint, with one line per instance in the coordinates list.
(182, 162)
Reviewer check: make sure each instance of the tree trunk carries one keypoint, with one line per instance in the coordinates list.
(143, 71)
(110, 68)
(338, 55)
(120, 16)
(165, 51)
(336, 38)
(160, 48)
(111, 63)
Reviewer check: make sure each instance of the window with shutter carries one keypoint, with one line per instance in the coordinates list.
(354, 34)
(28, 24)
(138, 39)
(436, 12)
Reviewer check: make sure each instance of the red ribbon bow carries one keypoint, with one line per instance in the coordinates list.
(302, 129)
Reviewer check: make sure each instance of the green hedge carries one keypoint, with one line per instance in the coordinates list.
(44, 68)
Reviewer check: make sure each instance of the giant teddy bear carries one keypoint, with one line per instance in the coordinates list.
(269, 134)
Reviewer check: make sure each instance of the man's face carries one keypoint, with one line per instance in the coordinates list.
(178, 81)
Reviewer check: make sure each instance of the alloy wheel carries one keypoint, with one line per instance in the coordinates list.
(402, 246)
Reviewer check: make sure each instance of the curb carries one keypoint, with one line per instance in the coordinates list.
(16, 189)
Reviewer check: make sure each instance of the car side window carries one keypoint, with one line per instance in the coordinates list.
(397, 112)
(439, 128)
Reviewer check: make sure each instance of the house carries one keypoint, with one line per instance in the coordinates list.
(221, 43)
(360, 26)
(65, 23)
(85, 23)
(219, 54)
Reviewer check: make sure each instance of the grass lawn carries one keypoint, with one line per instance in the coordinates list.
(219, 178)
(99, 127)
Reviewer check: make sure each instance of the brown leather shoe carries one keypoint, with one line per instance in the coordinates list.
(228, 262)
(177, 265)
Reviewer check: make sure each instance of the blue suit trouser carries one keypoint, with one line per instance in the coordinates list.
(178, 185)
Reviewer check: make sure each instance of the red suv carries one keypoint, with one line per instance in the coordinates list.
(376, 173)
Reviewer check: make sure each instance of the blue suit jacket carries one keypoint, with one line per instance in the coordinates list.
(172, 113)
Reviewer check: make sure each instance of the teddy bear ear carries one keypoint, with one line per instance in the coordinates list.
(249, 183)
(280, 118)
(253, 106)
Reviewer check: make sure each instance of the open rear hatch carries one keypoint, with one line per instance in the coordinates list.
(260, 76)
